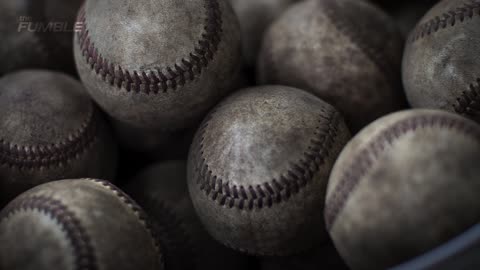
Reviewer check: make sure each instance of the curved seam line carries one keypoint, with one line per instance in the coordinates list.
(376, 56)
(137, 211)
(275, 191)
(79, 240)
(34, 156)
(468, 104)
(157, 80)
(365, 160)
(447, 19)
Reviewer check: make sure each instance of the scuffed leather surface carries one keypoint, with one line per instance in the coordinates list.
(164, 185)
(421, 190)
(33, 239)
(326, 47)
(153, 35)
(251, 138)
(41, 108)
(439, 67)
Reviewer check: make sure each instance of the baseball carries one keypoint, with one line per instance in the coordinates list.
(49, 130)
(157, 65)
(258, 169)
(77, 224)
(440, 65)
(403, 186)
(346, 52)
(161, 189)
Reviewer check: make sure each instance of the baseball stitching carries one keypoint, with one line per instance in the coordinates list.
(56, 154)
(274, 191)
(137, 210)
(154, 81)
(69, 223)
(448, 19)
(468, 102)
(376, 55)
(365, 160)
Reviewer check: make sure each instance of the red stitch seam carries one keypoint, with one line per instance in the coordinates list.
(275, 191)
(448, 19)
(154, 81)
(36, 156)
(468, 104)
(370, 154)
(139, 212)
(70, 224)
(376, 55)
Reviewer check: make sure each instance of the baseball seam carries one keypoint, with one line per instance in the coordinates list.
(55, 154)
(447, 19)
(468, 104)
(377, 56)
(138, 212)
(154, 81)
(69, 223)
(274, 191)
(366, 159)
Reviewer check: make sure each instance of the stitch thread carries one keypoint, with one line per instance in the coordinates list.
(37, 156)
(70, 224)
(137, 210)
(468, 104)
(376, 55)
(448, 19)
(364, 160)
(271, 192)
(155, 81)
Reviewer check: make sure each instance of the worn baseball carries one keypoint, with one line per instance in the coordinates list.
(77, 224)
(258, 169)
(255, 16)
(441, 66)
(161, 190)
(403, 186)
(346, 52)
(157, 65)
(49, 130)
(37, 34)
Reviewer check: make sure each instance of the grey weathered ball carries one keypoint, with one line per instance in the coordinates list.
(346, 52)
(77, 224)
(441, 65)
(157, 65)
(161, 190)
(50, 130)
(258, 169)
(37, 34)
(255, 16)
(406, 184)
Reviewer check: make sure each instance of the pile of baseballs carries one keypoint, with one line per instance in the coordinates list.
(237, 134)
